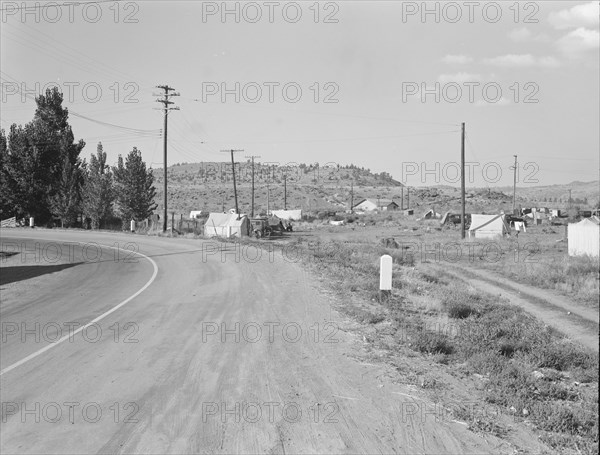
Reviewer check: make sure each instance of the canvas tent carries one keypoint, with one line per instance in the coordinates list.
(366, 205)
(226, 225)
(430, 214)
(583, 238)
(293, 215)
(488, 226)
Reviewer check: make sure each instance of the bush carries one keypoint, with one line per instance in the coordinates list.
(457, 310)
(432, 342)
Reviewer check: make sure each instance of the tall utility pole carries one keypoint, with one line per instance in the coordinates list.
(165, 101)
(462, 182)
(514, 168)
(402, 197)
(284, 191)
(252, 158)
(351, 196)
(237, 210)
(268, 198)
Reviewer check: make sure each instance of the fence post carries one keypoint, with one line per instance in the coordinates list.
(385, 276)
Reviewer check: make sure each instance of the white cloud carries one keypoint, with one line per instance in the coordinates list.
(586, 15)
(457, 59)
(520, 35)
(578, 41)
(511, 60)
(522, 61)
(458, 78)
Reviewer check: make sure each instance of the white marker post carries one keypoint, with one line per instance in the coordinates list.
(385, 276)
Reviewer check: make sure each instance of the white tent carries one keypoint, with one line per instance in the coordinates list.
(226, 225)
(488, 226)
(293, 215)
(430, 214)
(583, 238)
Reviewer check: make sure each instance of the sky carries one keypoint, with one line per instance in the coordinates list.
(384, 85)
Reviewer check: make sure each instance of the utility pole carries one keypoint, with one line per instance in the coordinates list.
(268, 199)
(165, 101)
(237, 210)
(351, 196)
(252, 158)
(402, 197)
(284, 191)
(462, 182)
(407, 197)
(514, 168)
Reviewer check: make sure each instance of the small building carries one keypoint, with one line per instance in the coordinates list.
(388, 205)
(555, 212)
(583, 237)
(195, 214)
(409, 212)
(368, 205)
(226, 225)
(488, 226)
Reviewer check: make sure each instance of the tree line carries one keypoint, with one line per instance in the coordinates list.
(42, 174)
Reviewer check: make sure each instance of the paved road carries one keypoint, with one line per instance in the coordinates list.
(196, 352)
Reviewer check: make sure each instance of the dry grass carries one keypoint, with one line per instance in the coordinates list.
(530, 371)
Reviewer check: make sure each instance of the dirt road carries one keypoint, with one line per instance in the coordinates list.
(574, 320)
(196, 350)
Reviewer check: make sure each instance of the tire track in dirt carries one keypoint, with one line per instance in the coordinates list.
(574, 321)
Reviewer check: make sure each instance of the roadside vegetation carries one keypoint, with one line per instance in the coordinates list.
(525, 369)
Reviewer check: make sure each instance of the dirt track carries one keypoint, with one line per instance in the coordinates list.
(577, 322)
(285, 381)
